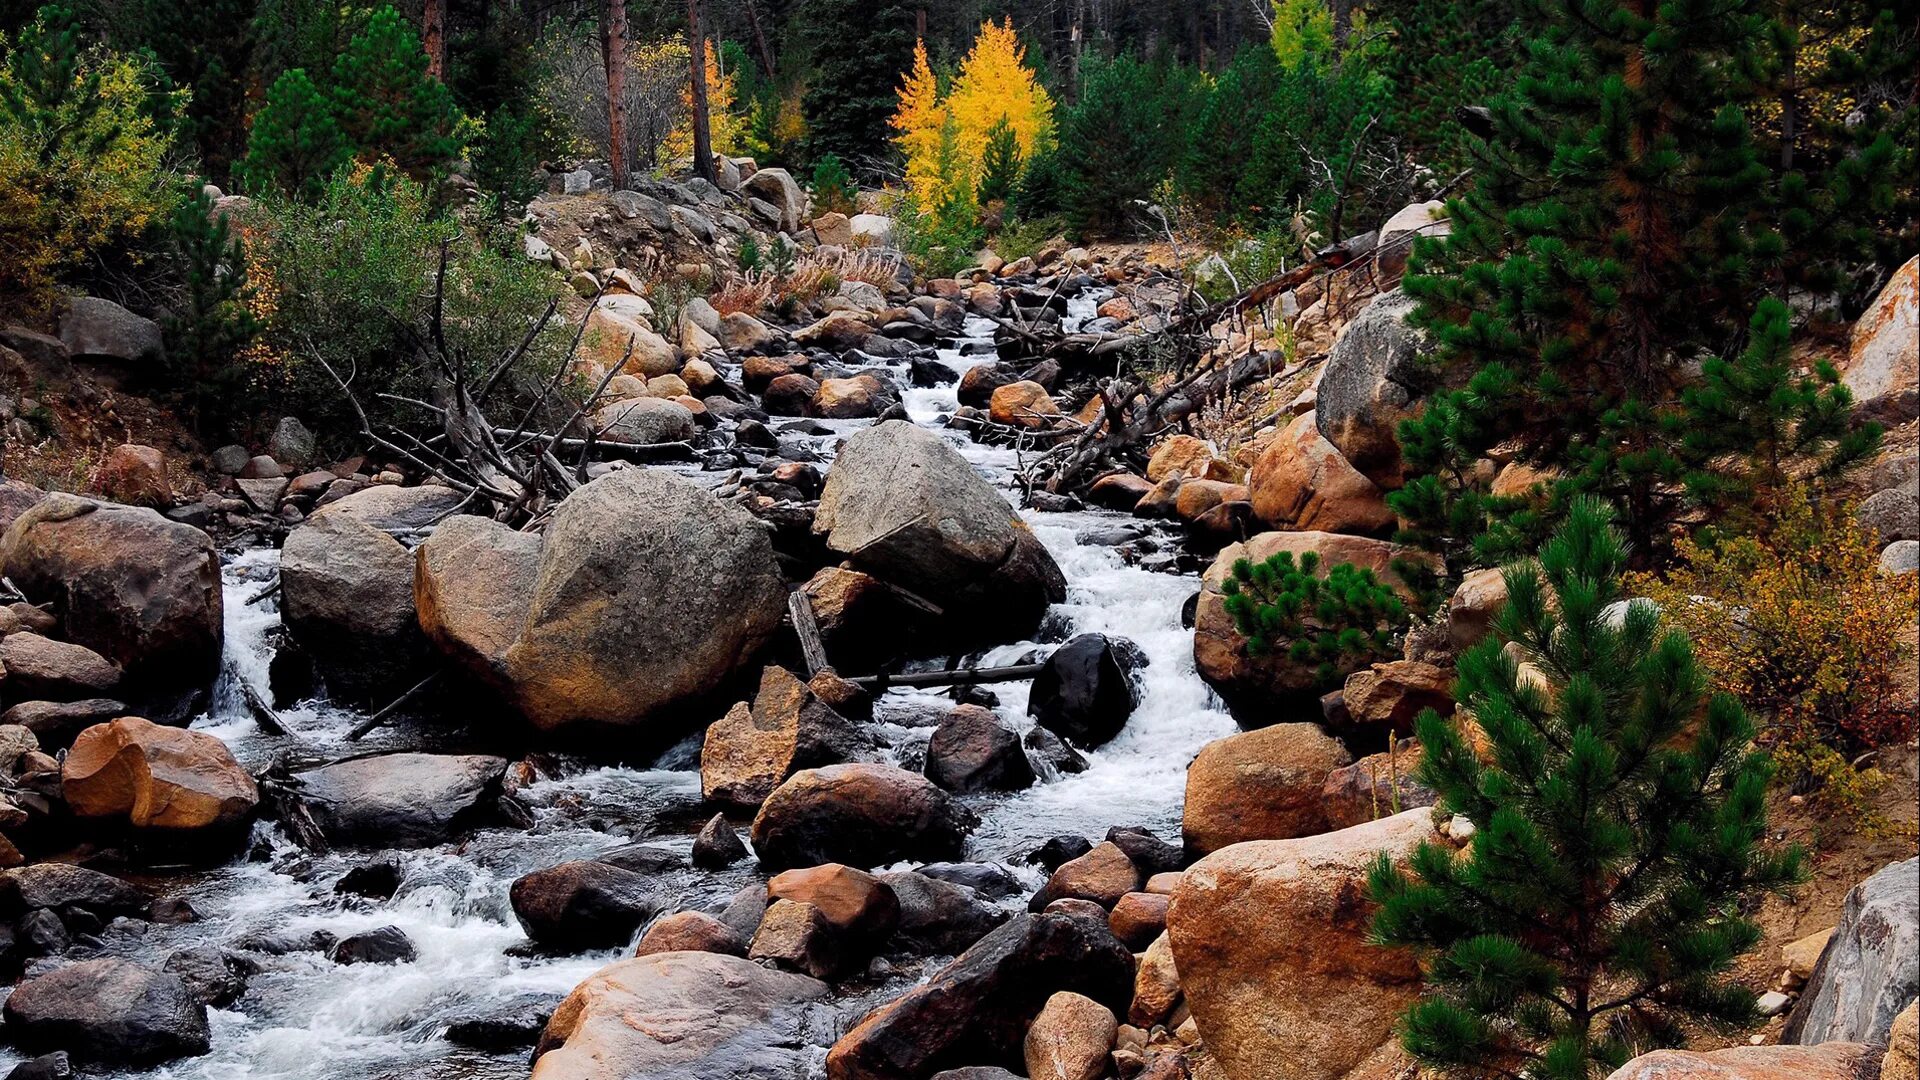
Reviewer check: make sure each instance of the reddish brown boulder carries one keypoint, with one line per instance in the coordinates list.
(472, 581)
(690, 931)
(1301, 482)
(1188, 456)
(972, 750)
(790, 395)
(1070, 1039)
(133, 474)
(1023, 404)
(1119, 491)
(1196, 497)
(1259, 785)
(852, 901)
(1272, 943)
(751, 750)
(1390, 695)
(1101, 876)
(40, 667)
(1138, 918)
(758, 372)
(156, 778)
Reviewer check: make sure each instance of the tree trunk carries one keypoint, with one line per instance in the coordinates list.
(433, 34)
(613, 51)
(702, 134)
(1076, 43)
(759, 37)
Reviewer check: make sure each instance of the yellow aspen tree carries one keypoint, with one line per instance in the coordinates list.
(723, 125)
(917, 124)
(995, 84)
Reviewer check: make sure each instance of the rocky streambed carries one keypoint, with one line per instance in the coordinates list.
(448, 983)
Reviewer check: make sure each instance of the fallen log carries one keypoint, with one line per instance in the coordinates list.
(956, 677)
(642, 452)
(360, 730)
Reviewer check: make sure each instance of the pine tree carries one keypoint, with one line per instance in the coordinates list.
(296, 144)
(1112, 148)
(1751, 419)
(49, 94)
(207, 47)
(386, 103)
(1000, 164)
(1619, 818)
(1446, 55)
(212, 323)
(1616, 226)
(859, 48)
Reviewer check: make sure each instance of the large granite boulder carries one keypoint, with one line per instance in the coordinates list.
(472, 582)
(582, 905)
(1883, 359)
(778, 188)
(1830, 1061)
(901, 504)
(108, 1012)
(1370, 383)
(1870, 969)
(346, 595)
(681, 1016)
(163, 781)
(1302, 482)
(859, 814)
(401, 800)
(1260, 785)
(95, 328)
(1271, 942)
(977, 1009)
(127, 583)
(651, 591)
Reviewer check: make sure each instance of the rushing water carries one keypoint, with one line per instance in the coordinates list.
(306, 1018)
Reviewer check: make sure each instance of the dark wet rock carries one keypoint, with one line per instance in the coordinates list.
(39, 667)
(990, 880)
(109, 1011)
(401, 800)
(1053, 751)
(55, 1066)
(287, 942)
(972, 750)
(213, 976)
(386, 945)
(1059, 850)
(643, 858)
(858, 814)
(744, 911)
(718, 846)
(501, 1025)
(346, 595)
(1146, 851)
(41, 933)
(64, 888)
(1086, 690)
(941, 916)
(376, 880)
(582, 905)
(978, 1008)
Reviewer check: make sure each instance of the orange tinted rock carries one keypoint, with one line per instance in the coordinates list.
(1023, 404)
(1302, 482)
(154, 777)
(1827, 1061)
(1259, 785)
(133, 474)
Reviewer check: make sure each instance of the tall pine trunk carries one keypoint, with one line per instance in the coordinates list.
(613, 50)
(433, 34)
(702, 134)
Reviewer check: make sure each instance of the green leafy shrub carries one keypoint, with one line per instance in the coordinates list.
(506, 156)
(351, 288)
(83, 158)
(832, 186)
(1336, 624)
(1620, 816)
